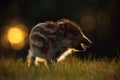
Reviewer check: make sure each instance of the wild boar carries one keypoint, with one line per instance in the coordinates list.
(51, 42)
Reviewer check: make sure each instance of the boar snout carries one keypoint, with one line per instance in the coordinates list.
(87, 42)
(84, 44)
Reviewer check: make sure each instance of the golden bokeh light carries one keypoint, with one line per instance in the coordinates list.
(15, 35)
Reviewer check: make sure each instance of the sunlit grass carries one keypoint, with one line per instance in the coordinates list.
(69, 69)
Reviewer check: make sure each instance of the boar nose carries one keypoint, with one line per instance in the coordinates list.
(87, 42)
(90, 42)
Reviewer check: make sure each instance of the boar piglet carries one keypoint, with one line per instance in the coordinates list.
(50, 42)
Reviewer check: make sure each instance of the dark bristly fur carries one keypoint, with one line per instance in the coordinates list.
(50, 40)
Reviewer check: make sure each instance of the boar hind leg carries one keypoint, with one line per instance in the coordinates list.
(31, 58)
(39, 60)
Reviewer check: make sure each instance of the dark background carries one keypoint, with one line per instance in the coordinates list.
(99, 20)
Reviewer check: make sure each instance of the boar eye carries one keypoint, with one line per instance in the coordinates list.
(75, 33)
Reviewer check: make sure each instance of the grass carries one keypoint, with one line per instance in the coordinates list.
(69, 69)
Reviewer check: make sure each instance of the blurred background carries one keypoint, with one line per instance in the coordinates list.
(99, 20)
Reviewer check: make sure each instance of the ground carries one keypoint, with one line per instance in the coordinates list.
(69, 69)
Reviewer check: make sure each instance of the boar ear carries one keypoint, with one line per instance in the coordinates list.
(62, 27)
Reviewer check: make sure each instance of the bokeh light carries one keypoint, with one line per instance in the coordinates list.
(103, 18)
(15, 35)
(88, 19)
(88, 22)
